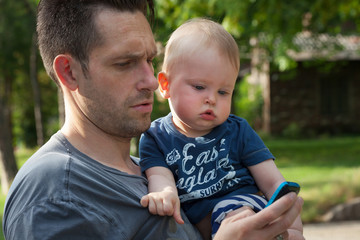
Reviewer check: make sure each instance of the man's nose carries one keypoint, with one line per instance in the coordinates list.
(148, 79)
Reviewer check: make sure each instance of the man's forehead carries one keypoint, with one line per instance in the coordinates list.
(122, 28)
(109, 21)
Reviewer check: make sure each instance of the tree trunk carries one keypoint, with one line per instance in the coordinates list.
(260, 68)
(36, 92)
(8, 165)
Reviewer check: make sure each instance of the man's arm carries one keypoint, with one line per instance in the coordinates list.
(162, 198)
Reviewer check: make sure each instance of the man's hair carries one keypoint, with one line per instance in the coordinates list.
(68, 26)
(198, 34)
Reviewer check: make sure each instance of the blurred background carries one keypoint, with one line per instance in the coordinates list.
(298, 86)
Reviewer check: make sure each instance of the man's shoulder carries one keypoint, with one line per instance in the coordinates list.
(42, 171)
(40, 192)
(46, 161)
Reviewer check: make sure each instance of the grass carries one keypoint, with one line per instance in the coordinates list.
(328, 171)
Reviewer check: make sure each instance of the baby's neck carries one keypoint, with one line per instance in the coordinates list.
(190, 133)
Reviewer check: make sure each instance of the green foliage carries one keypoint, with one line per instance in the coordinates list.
(281, 59)
(336, 14)
(248, 107)
(273, 22)
(17, 26)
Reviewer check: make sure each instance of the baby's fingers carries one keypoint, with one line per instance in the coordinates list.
(172, 208)
(144, 201)
(155, 206)
(168, 207)
(177, 214)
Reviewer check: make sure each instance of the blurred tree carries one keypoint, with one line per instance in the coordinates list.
(8, 165)
(36, 91)
(270, 25)
(17, 25)
(274, 23)
(8, 62)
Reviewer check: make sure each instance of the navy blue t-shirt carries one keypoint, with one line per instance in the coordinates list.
(207, 169)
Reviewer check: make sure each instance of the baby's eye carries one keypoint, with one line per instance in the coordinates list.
(197, 87)
(222, 92)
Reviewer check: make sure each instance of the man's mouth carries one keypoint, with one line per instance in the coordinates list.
(143, 107)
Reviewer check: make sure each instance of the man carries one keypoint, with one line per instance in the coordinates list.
(83, 184)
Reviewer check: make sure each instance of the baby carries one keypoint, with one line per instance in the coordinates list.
(201, 155)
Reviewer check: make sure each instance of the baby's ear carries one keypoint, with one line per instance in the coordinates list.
(163, 85)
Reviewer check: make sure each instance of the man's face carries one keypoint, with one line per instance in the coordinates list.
(117, 96)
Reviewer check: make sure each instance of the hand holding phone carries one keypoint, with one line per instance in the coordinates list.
(284, 189)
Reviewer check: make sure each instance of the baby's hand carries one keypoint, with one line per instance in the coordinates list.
(163, 203)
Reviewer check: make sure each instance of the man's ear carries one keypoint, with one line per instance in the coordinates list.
(163, 85)
(64, 69)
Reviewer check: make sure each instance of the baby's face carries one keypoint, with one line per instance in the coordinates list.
(200, 87)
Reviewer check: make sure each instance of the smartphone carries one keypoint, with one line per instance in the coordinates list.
(283, 189)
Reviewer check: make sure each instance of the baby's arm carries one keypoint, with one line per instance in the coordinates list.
(162, 198)
(268, 177)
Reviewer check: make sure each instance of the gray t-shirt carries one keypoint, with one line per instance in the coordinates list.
(60, 193)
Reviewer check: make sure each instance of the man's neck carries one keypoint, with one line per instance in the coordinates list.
(102, 147)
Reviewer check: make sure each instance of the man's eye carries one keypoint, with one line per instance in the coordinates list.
(123, 64)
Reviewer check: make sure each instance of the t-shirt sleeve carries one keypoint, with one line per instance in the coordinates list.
(150, 153)
(254, 149)
(59, 220)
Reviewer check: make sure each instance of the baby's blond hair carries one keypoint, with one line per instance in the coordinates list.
(198, 34)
